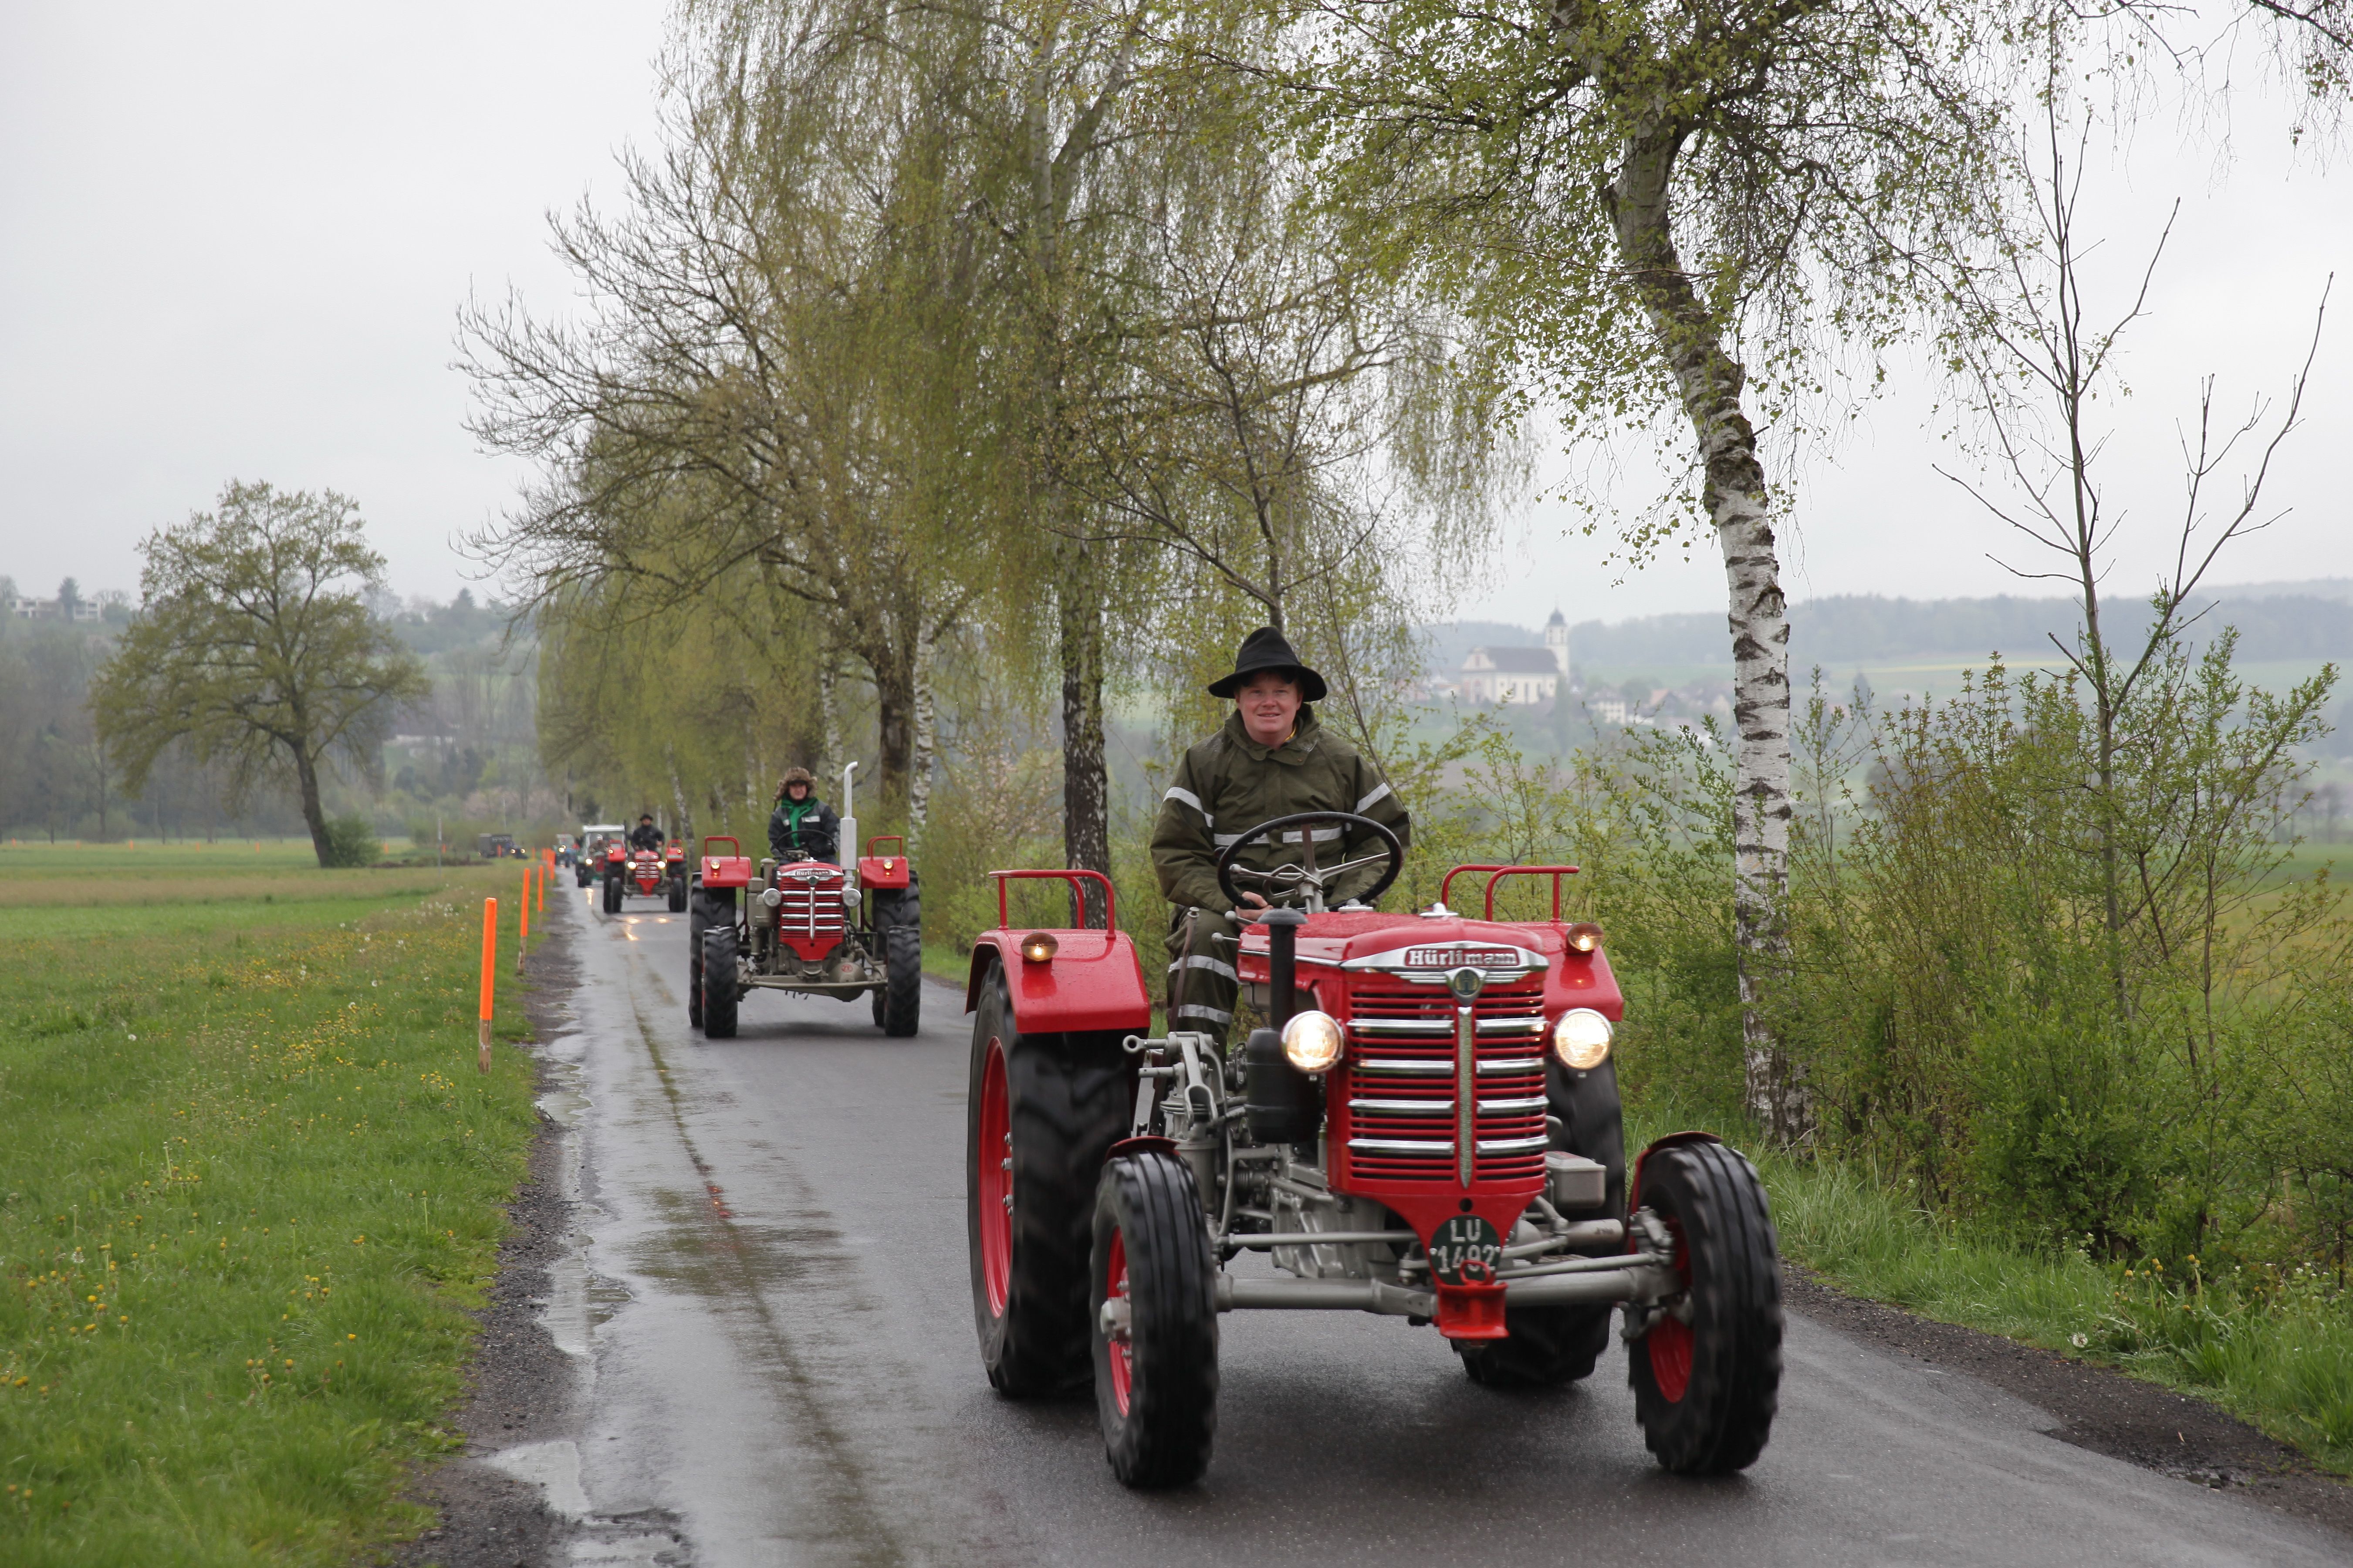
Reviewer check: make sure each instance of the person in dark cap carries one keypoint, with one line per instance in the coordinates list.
(1271, 758)
(646, 836)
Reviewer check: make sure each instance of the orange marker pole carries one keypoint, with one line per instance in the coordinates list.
(540, 872)
(489, 972)
(522, 923)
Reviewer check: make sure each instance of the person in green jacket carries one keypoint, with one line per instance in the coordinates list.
(1271, 758)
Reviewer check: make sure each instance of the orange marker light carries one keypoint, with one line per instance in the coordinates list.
(489, 972)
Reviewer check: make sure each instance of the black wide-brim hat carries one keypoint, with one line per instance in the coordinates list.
(1266, 649)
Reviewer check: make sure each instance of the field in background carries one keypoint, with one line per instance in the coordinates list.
(252, 1182)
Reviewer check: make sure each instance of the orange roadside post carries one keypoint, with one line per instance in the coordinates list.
(522, 922)
(489, 972)
(542, 873)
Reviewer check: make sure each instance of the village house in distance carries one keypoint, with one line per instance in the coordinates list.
(1517, 677)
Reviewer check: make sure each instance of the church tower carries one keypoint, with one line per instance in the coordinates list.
(1557, 639)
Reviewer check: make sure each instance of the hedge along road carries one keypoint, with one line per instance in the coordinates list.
(771, 1323)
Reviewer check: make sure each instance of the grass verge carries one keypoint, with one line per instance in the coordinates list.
(253, 1184)
(2274, 1348)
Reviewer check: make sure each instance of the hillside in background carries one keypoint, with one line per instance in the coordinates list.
(2279, 623)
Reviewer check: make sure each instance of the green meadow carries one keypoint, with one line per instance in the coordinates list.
(251, 1183)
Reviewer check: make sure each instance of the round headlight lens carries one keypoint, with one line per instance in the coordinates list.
(1039, 946)
(1581, 1038)
(850, 897)
(1312, 1041)
(1584, 937)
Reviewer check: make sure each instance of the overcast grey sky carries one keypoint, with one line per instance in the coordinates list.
(233, 239)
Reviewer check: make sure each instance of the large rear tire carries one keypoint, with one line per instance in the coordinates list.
(902, 997)
(612, 894)
(697, 926)
(1156, 1373)
(719, 982)
(1705, 1390)
(1042, 1112)
(678, 895)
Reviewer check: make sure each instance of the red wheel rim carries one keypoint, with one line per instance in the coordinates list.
(1123, 1362)
(1670, 1358)
(1669, 1339)
(993, 1179)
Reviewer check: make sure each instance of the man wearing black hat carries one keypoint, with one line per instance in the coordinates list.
(1271, 758)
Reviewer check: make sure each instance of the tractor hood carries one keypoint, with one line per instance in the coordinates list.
(1340, 950)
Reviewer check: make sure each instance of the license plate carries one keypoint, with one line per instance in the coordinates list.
(1466, 1251)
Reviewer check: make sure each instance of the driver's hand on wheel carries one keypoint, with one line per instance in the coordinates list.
(1252, 906)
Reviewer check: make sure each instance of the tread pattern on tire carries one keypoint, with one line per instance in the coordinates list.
(1164, 1438)
(902, 993)
(1069, 1100)
(698, 924)
(718, 980)
(1725, 1414)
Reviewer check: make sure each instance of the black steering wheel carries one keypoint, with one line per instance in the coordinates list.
(1288, 879)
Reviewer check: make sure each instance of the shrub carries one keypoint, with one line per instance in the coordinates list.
(351, 841)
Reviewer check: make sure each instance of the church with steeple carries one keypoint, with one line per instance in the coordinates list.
(1520, 676)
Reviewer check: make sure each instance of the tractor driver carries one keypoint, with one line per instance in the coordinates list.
(802, 825)
(1271, 758)
(646, 836)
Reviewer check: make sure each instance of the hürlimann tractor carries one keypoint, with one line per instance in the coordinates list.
(1428, 1128)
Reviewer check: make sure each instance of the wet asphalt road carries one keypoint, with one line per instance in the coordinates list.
(770, 1314)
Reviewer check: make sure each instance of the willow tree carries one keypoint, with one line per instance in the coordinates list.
(767, 386)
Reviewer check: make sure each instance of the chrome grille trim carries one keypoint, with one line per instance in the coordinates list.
(1407, 1107)
(1403, 1145)
(1513, 1145)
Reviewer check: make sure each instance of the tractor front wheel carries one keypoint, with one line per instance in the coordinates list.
(1041, 1112)
(899, 1005)
(720, 982)
(1155, 1310)
(678, 895)
(1707, 1374)
(612, 894)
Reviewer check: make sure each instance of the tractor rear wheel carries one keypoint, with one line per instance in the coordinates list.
(1706, 1385)
(899, 1005)
(612, 894)
(1041, 1112)
(1156, 1370)
(697, 926)
(678, 895)
(719, 982)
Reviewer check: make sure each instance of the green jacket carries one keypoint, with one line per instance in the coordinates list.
(1230, 784)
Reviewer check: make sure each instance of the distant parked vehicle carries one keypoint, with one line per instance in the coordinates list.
(495, 846)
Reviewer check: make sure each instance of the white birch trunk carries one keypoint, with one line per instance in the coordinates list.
(1733, 494)
(919, 765)
(828, 718)
(677, 797)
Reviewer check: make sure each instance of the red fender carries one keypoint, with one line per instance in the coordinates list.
(1093, 982)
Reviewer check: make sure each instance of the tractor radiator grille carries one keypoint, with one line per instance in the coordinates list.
(811, 914)
(1398, 1113)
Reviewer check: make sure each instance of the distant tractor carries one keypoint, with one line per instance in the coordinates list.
(645, 874)
(596, 838)
(494, 845)
(1427, 1127)
(809, 927)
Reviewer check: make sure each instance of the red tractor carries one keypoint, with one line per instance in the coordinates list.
(1428, 1128)
(645, 874)
(805, 926)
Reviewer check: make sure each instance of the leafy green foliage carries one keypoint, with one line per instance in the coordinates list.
(255, 647)
(351, 841)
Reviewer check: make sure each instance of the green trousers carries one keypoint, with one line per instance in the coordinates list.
(1202, 985)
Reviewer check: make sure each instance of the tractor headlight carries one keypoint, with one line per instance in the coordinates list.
(1038, 947)
(1584, 937)
(771, 897)
(1312, 1041)
(850, 897)
(1581, 1038)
